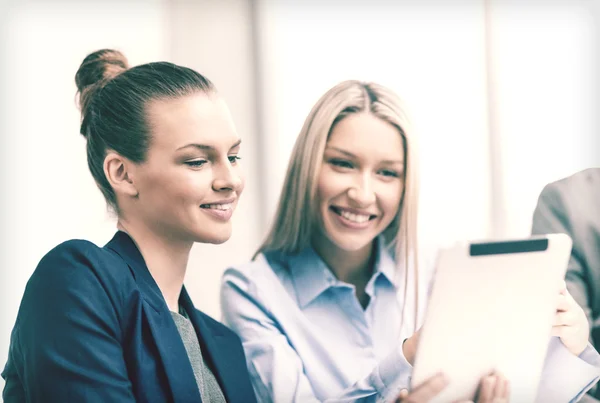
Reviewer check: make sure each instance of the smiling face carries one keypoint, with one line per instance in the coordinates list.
(190, 183)
(360, 182)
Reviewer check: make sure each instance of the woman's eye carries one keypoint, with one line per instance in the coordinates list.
(388, 172)
(234, 158)
(196, 163)
(341, 163)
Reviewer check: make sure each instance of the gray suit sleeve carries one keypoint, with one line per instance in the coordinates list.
(552, 216)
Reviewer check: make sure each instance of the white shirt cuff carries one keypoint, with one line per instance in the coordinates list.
(394, 375)
(566, 377)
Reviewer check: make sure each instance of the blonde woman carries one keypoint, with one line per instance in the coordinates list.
(329, 309)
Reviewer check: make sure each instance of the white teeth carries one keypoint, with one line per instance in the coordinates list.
(357, 218)
(219, 206)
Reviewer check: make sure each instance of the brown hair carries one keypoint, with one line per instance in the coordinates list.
(113, 100)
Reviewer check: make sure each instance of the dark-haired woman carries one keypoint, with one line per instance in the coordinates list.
(114, 323)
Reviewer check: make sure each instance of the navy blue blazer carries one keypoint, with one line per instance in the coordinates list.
(93, 327)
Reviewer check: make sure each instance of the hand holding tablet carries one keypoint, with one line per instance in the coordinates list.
(570, 323)
(492, 389)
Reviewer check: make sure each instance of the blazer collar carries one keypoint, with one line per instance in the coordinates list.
(164, 331)
(125, 247)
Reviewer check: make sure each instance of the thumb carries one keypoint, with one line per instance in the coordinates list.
(403, 394)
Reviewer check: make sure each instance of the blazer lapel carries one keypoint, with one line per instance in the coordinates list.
(170, 347)
(216, 348)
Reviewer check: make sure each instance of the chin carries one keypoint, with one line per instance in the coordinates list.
(216, 237)
(218, 241)
(350, 243)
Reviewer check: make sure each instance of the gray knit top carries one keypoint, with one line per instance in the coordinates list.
(210, 391)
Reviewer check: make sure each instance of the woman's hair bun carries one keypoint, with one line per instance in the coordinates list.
(95, 71)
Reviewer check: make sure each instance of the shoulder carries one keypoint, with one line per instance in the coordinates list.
(576, 183)
(265, 271)
(587, 177)
(76, 286)
(77, 276)
(255, 289)
(76, 260)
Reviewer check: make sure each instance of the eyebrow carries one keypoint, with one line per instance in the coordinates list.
(206, 147)
(349, 154)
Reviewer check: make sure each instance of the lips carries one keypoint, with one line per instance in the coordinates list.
(216, 203)
(217, 206)
(221, 210)
(353, 215)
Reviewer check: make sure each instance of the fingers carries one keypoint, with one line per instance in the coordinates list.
(501, 389)
(569, 298)
(571, 301)
(564, 332)
(568, 318)
(506, 389)
(493, 389)
(563, 304)
(426, 391)
(486, 389)
(566, 301)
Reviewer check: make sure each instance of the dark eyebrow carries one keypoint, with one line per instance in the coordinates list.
(237, 144)
(339, 150)
(349, 154)
(205, 147)
(195, 145)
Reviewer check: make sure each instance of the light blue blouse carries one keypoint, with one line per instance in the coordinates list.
(307, 338)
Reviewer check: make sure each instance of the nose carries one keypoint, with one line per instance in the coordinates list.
(362, 193)
(227, 179)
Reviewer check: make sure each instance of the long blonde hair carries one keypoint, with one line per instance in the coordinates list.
(296, 213)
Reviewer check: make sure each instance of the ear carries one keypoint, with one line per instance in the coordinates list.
(119, 173)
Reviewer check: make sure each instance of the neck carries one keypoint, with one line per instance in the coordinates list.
(352, 267)
(165, 257)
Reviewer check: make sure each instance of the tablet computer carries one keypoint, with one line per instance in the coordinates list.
(491, 307)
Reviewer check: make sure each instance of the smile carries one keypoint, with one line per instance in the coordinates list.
(226, 206)
(353, 219)
(222, 211)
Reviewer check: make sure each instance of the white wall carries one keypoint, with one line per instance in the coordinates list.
(544, 63)
(433, 56)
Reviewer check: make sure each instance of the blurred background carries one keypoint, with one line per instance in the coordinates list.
(503, 95)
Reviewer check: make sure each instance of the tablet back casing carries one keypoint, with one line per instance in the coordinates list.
(491, 308)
